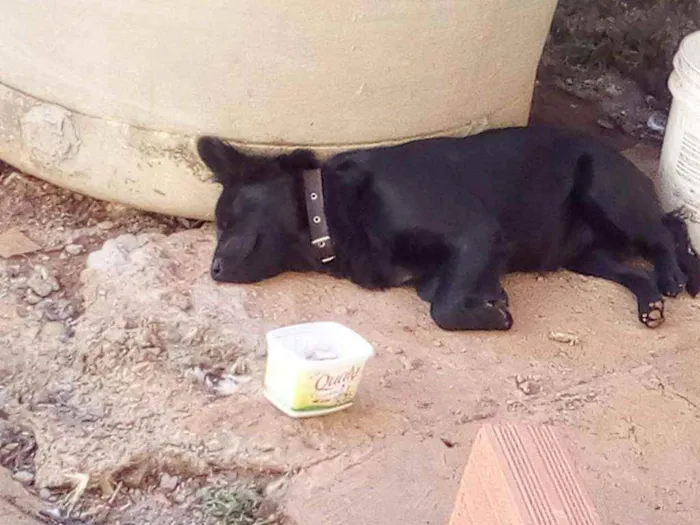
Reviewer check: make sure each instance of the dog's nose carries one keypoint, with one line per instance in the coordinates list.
(216, 268)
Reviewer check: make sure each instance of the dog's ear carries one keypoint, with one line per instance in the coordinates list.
(225, 161)
(298, 161)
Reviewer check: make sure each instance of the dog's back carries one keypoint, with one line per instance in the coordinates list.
(522, 178)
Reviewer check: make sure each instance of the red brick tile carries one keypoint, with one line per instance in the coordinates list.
(520, 474)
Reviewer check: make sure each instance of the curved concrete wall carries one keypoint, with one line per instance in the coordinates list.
(105, 96)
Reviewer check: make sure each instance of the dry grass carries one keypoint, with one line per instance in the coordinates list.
(238, 504)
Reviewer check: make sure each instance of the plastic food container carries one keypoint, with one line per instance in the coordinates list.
(314, 368)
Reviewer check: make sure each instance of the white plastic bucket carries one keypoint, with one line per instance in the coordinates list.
(314, 368)
(680, 157)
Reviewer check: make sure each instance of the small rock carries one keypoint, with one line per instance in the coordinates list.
(147, 336)
(128, 242)
(514, 406)
(42, 283)
(106, 225)
(240, 367)
(68, 333)
(215, 380)
(116, 210)
(222, 386)
(125, 323)
(12, 271)
(74, 249)
(39, 287)
(10, 447)
(412, 364)
(657, 122)
(194, 336)
(154, 351)
(53, 331)
(181, 301)
(45, 494)
(115, 335)
(527, 386)
(564, 337)
(57, 310)
(53, 513)
(485, 408)
(605, 123)
(168, 483)
(24, 477)
(31, 298)
(12, 176)
(276, 488)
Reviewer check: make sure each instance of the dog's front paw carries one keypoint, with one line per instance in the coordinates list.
(473, 315)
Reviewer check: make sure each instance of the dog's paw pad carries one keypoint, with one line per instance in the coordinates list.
(653, 315)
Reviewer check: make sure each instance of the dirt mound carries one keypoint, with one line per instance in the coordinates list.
(637, 38)
(619, 53)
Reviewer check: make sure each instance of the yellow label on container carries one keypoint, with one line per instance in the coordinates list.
(323, 389)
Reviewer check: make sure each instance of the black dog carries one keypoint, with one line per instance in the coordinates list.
(451, 216)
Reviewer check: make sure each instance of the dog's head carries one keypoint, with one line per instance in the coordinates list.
(260, 221)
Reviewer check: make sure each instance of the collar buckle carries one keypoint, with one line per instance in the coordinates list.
(315, 209)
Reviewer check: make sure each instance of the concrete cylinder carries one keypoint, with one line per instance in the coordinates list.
(106, 96)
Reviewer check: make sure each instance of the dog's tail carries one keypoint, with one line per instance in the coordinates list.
(687, 257)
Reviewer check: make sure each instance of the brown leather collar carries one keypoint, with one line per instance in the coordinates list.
(315, 209)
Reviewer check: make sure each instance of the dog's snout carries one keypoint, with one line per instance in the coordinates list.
(216, 268)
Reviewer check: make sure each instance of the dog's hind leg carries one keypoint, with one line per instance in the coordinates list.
(466, 294)
(633, 220)
(600, 263)
(685, 252)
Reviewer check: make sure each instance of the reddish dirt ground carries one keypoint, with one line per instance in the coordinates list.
(97, 383)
